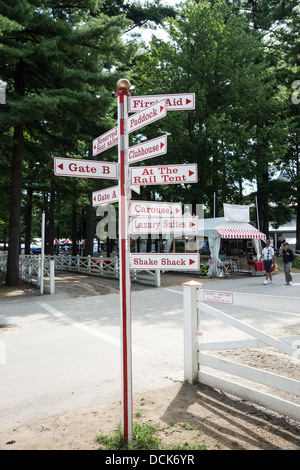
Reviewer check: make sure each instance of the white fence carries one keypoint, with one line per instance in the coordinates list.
(30, 270)
(105, 267)
(31, 267)
(195, 357)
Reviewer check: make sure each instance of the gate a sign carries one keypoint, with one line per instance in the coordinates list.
(105, 196)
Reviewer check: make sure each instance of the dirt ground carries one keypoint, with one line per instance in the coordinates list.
(184, 413)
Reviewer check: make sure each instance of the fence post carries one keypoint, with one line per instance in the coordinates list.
(21, 259)
(52, 275)
(190, 289)
(40, 275)
(157, 278)
(116, 267)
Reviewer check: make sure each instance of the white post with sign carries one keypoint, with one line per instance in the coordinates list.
(147, 110)
(123, 94)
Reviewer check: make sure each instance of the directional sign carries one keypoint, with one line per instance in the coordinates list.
(105, 196)
(168, 174)
(142, 208)
(146, 116)
(148, 149)
(105, 141)
(166, 261)
(174, 102)
(217, 296)
(174, 225)
(85, 168)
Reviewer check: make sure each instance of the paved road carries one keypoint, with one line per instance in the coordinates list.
(61, 354)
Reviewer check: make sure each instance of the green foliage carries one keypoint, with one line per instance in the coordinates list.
(60, 63)
(144, 438)
(296, 262)
(239, 129)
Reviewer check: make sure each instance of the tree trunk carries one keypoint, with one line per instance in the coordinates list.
(89, 231)
(28, 221)
(12, 273)
(74, 231)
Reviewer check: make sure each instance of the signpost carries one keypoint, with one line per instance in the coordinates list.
(146, 116)
(122, 94)
(174, 102)
(105, 196)
(166, 225)
(148, 149)
(155, 208)
(167, 174)
(105, 141)
(166, 218)
(218, 296)
(85, 168)
(166, 261)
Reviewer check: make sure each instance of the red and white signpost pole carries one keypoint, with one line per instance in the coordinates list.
(123, 95)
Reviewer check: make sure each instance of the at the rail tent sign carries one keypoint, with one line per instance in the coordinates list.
(138, 216)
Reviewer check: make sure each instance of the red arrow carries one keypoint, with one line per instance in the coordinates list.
(191, 261)
(161, 108)
(61, 166)
(177, 210)
(192, 224)
(191, 173)
(187, 101)
(161, 144)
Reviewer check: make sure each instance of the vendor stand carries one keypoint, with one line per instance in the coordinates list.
(234, 225)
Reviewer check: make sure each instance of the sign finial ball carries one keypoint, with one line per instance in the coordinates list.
(123, 84)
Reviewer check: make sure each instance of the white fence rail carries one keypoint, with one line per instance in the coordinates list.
(105, 267)
(195, 357)
(38, 272)
(31, 269)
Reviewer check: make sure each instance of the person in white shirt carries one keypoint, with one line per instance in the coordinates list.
(268, 257)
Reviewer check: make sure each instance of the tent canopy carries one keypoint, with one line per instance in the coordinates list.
(217, 228)
(220, 227)
(239, 230)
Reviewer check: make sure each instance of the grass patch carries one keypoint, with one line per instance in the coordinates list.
(144, 438)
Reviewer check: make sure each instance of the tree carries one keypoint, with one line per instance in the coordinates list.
(215, 55)
(276, 24)
(59, 65)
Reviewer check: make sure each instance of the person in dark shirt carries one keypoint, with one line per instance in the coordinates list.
(288, 257)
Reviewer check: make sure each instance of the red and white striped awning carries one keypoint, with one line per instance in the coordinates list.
(239, 230)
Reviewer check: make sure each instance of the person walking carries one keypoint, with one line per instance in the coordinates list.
(268, 257)
(288, 258)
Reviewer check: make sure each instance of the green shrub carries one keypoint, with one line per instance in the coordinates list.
(296, 262)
